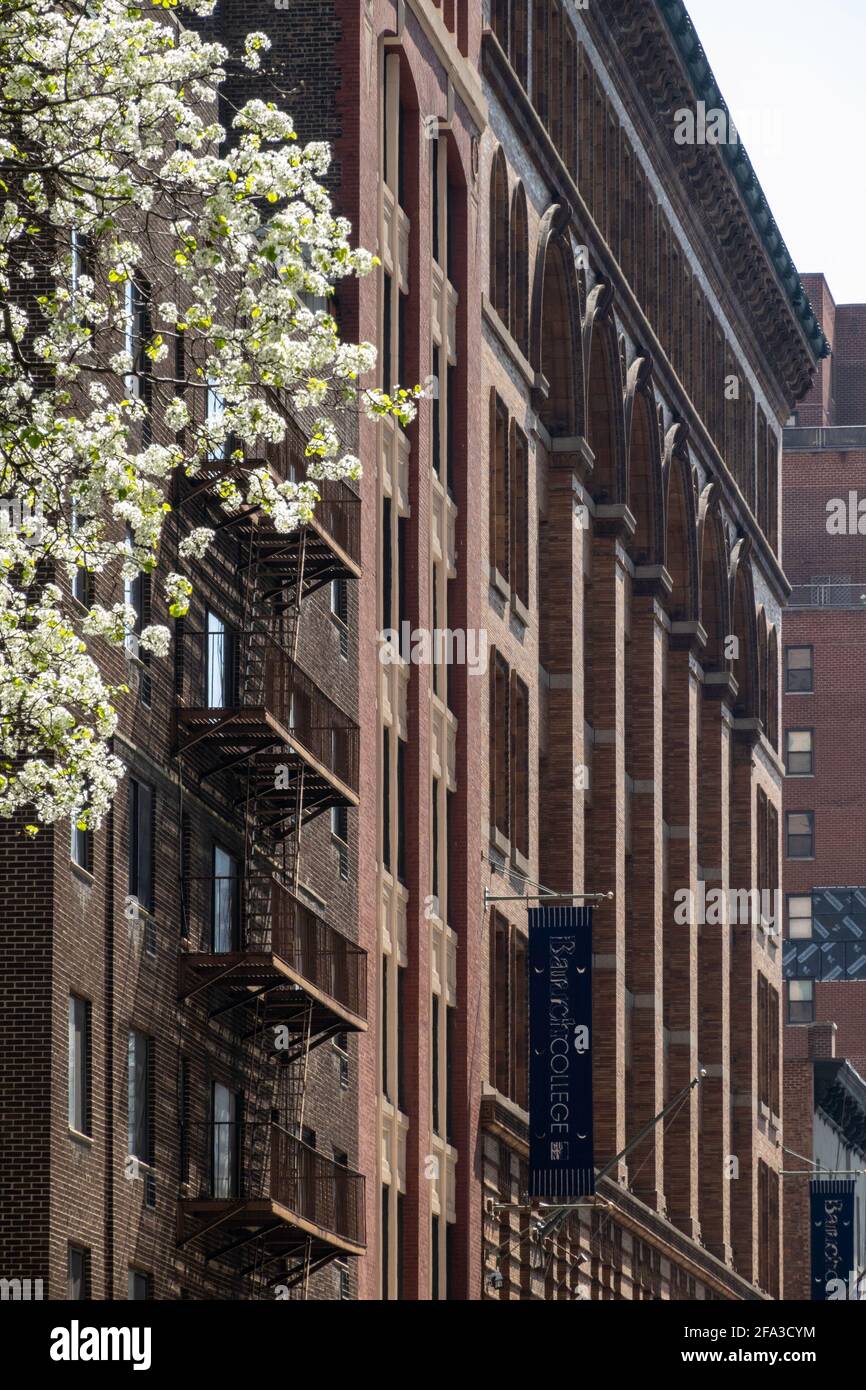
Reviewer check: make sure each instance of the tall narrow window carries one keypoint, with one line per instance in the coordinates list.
(401, 810)
(801, 834)
(519, 498)
(138, 1285)
(799, 752)
(226, 1107)
(79, 1064)
(141, 843)
(401, 1038)
(80, 848)
(801, 1001)
(499, 749)
(226, 901)
(386, 1030)
(499, 502)
(139, 1096)
(218, 662)
(434, 1056)
(78, 1274)
(499, 248)
(519, 766)
(799, 671)
(519, 287)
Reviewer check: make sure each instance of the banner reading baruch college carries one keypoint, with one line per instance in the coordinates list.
(560, 1052)
(832, 1204)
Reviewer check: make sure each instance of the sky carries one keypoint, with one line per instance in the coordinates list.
(793, 75)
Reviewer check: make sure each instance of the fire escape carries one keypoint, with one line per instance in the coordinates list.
(259, 741)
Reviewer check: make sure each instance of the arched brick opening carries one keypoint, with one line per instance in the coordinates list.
(714, 580)
(680, 536)
(745, 663)
(645, 485)
(499, 249)
(519, 276)
(554, 336)
(604, 400)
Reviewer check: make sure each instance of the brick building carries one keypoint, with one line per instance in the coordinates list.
(587, 507)
(824, 667)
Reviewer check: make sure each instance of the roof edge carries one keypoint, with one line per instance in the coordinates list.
(707, 89)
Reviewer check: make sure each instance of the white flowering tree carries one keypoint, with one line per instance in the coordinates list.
(112, 163)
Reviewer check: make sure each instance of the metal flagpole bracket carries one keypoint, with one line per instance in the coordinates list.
(549, 898)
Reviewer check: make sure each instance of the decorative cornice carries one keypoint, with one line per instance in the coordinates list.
(706, 89)
(645, 39)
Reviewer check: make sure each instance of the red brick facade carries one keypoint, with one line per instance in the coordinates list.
(590, 490)
(825, 476)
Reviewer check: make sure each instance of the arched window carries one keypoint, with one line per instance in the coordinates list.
(499, 236)
(519, 278)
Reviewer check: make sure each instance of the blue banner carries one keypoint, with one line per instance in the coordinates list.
(560, 1052)
(832, 1204)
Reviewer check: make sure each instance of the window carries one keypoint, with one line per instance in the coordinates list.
(218, 663)
(401, 810)
(133, 595)
(140, 1096)
(519, 757)
(434, 1057)
(768, 1045)
(499, 746)
(799, 671)
(136, 333)
(519, 286)
(215, 409)
(801, 1001)
(509, 1010)
(499, 504)
(450, 1064)
(225, 916)
(138, 1286)
(141, 843)
(499, 248)
(799, 916)
(801, 834)
(401, 1039)
(386, 1030)
(79, 1064)
(78, 1274)
(340, 836)
(81, 579)
(799, 752)
(340, 613)
(225, 1109)
(341, 1048)
(519, 497)
(80, 848)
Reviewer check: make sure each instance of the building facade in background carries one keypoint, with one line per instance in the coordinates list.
(538, 650)
(824, 668)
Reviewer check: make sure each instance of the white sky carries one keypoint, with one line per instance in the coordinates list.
(793, 73)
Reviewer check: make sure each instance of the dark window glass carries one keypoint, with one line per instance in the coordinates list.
(799, 670)
(141, 800)
(801, 834)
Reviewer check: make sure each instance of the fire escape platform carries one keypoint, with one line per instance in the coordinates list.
(283, 1231)
(286, 991)
(221, 740)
